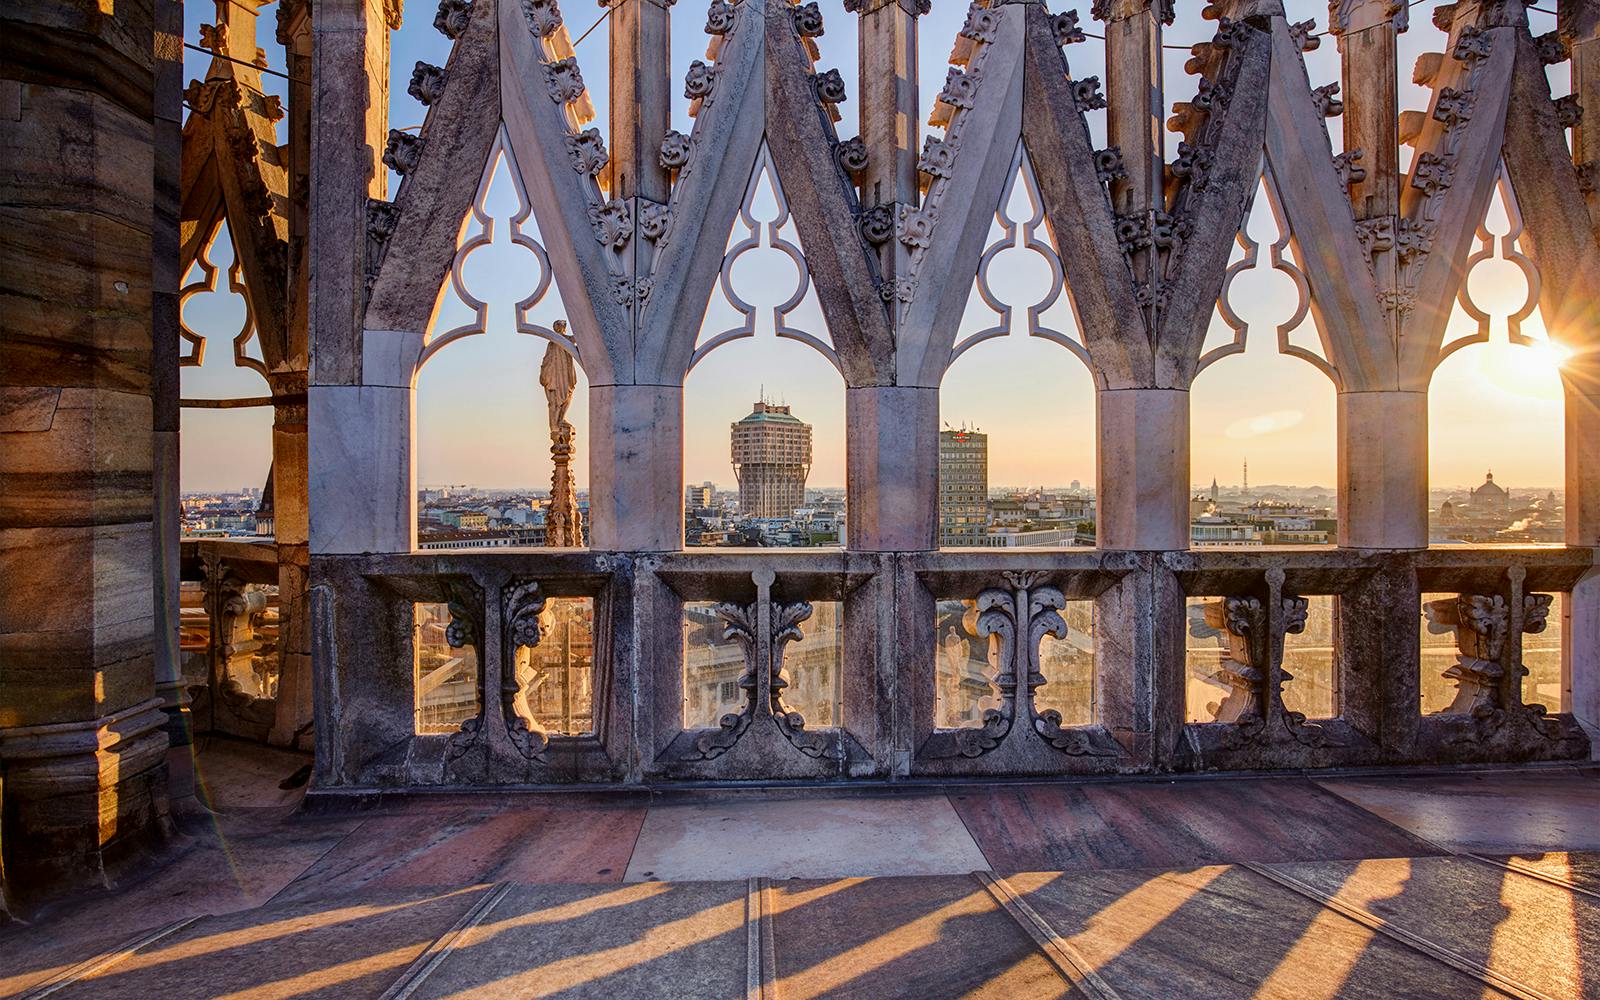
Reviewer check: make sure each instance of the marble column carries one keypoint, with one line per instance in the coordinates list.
(82, 741)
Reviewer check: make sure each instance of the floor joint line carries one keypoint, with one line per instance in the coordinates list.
(1531, 872)
(435, 954)
(1416, 942)
(106, 959)
(1069, 962)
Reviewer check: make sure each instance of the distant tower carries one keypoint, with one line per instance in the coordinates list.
(771, 459)
(1214, 490)
(963, 487)
(1247, 476)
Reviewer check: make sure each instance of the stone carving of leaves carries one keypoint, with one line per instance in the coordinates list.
(402, 152)
(588, 150)
(675, 149)
(451, 20)
(427, 83)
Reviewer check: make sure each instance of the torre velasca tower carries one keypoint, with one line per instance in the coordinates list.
(771, 459)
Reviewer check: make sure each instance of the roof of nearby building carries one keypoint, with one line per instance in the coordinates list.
(771, 413)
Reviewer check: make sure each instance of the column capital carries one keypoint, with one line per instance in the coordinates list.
(1350, 16)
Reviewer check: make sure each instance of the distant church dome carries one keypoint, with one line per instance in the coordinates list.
(1490, 494)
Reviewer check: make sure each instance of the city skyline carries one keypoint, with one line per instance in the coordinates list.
(1490, 404)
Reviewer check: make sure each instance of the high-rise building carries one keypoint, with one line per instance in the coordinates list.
(702, 495)
(963, 487)
(771, 459)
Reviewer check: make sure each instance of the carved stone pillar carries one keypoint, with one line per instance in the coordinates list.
(291, 522)
(167, 515)
(1136, 115)
(1383, 470)
(889, 120)
(892, 468)
(636, 468)
(1142, 493)
(82, 745)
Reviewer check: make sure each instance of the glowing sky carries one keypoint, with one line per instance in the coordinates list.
(481, 414)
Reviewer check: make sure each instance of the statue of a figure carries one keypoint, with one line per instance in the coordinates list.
(559, 376)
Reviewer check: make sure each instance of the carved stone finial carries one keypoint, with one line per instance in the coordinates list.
(382, 217)
(427, 83)
(960, 88)
(1193, 164)
(1434, 173)
(1304, 36)
(1473, 45)
(1346, 166)
(1325, 99)
(403, 151)
(980, 24)
(653, 221)
(1108, 164)
(914, 227)
(1552, 48)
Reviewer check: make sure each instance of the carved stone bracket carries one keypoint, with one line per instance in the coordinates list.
(786, 619)
(465, 604)
(1020, 615)
(739, 624)
(524, 606)
(1485, 669)
(1243, 621)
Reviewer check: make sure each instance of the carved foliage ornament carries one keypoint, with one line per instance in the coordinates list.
(808, 20)
(852, 155)
(830, 87)
(588, 151)
(403, 152)
(565, 81)
(720, 15)
(427, 83)
(1065, 27)
(699, 82)
(1482, 625)
(612, 222)
(524, 606)
(451, 20)
(1017, 620)
(675, 149)
(544, 17)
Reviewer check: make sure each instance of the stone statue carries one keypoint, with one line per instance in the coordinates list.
(559, 377)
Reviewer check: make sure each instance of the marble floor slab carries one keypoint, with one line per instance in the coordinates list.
(1496, 812)
(805, 837)
(1055, 827)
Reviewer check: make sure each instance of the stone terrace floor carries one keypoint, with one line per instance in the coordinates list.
(1460, 884)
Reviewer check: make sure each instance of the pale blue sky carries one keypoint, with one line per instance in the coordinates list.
(481, 416)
